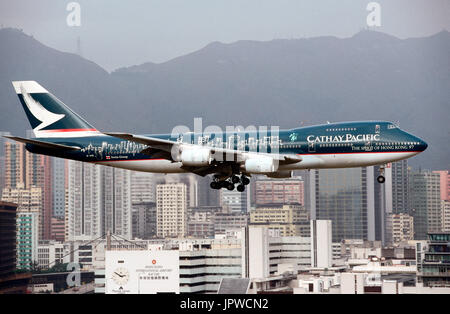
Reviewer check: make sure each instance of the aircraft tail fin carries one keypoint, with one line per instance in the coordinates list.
(48, 116)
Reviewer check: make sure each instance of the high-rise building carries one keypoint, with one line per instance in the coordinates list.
(400, 186)
(142, 187)
(7, 238)
(171, 210)
(289, 220)
(116, 200)
(84, 201)
(205, 195)
(444, 177)
(11, 282)
(287, 191)
(425, 203)
(399, 228)
(228, 220)
(143, 203)
(27, 239)
(14, 164)
(99, 200)
(24, 169)
(38, 173)
(27, 200)
(2, 161)
(59, 186)
(190, 181)
(351, 199)
(144, 220)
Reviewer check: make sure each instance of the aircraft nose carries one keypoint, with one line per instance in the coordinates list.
(423, 145)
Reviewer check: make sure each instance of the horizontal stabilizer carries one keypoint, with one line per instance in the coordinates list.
(41, 143)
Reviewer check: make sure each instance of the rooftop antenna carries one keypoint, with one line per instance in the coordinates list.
(79, 52)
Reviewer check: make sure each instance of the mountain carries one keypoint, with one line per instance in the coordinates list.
(83, 85)
(281, 82)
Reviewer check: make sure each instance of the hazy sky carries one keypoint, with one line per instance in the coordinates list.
(116, 33)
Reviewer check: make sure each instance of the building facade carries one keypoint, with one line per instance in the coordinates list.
(444, 178)
(425, 203)
(435, 267)
(400, 228)
(27, 239)
(171, 210)
(290, 220)
(400, 186)
(287, 191)
(235, 201)
(99, 200)
(347, 198)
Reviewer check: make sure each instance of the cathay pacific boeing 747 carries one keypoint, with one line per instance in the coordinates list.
(231, 157)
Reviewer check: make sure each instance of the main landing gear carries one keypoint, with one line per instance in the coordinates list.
(381, 179)
(229, 183)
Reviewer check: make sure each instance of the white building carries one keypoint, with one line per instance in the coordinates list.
(49, 253)
(321, 245)
(171, 210)
(99, 200)
(237, 202)
(116, 209)
(84, 201)
(399, 227)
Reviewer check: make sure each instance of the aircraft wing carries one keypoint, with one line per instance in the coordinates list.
(41, 143)
(166, 146)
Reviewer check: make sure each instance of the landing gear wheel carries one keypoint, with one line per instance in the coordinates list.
(229, 186)
(235, 179)
(245, 180)
(214, 185)
(381, 179)
(241, 188)
(223, 184)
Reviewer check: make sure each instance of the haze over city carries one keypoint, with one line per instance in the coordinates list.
(116, 34)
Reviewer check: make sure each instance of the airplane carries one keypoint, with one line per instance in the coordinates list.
(231, 157)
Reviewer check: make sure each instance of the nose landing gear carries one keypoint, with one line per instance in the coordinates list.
(381, 179)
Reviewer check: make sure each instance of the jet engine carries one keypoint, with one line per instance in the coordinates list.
(260, 164)
(196, 157)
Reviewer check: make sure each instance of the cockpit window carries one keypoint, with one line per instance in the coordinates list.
(391, 126)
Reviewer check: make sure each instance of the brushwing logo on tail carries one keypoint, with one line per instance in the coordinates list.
(39, 112)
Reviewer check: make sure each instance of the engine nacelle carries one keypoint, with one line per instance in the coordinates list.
(281, 174)
(260, 164)
(196, 157)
